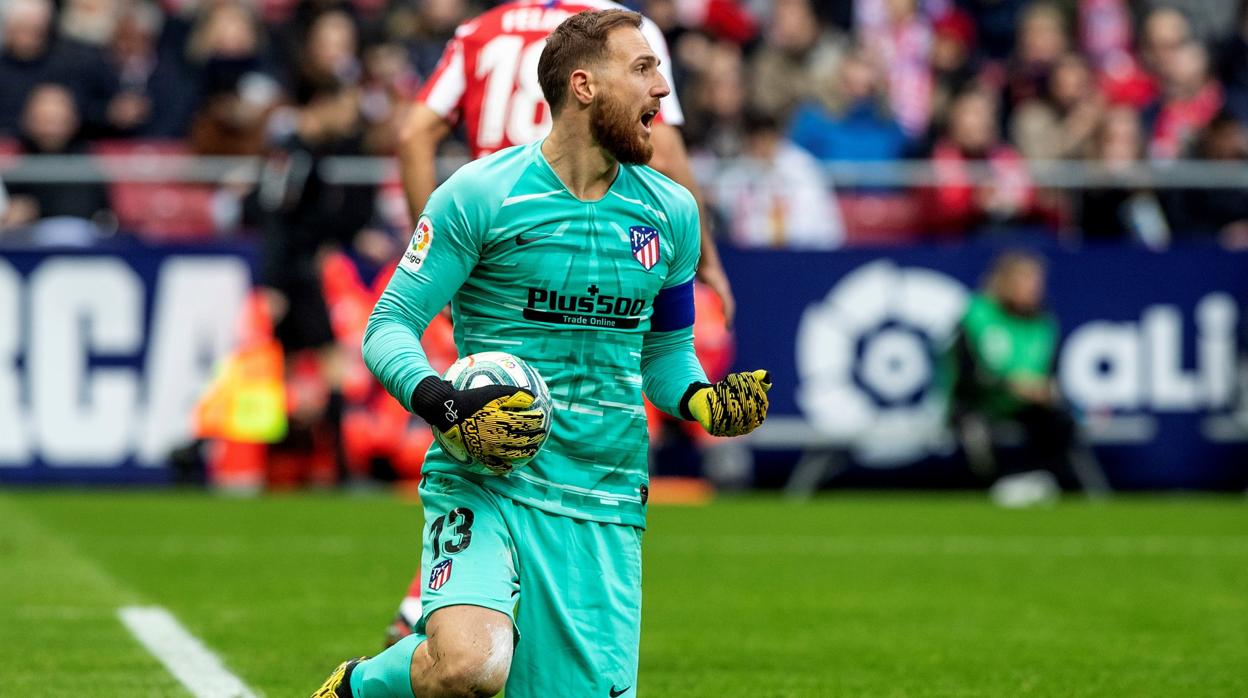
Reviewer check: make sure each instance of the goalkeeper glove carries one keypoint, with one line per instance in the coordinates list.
(492, 424)
(732, 407)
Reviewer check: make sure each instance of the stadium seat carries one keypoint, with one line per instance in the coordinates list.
(159, 211)
(886, 218)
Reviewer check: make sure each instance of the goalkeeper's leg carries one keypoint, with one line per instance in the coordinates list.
(465, 651)
(580, 607)
(464, 642)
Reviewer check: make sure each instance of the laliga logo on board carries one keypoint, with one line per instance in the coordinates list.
(864, 360)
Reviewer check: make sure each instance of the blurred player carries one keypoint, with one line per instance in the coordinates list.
(573, 255)
(487, 81)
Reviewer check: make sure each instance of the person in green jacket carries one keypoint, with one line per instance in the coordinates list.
(1001, 368)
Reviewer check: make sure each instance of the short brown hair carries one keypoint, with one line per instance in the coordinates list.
(1005, 264)
(580, 39)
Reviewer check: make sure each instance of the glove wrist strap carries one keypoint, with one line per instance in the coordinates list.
(684, 399)
(429, 400)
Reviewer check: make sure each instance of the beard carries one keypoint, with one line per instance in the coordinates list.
(615, 127)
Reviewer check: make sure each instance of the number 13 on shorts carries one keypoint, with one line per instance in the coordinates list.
(468, 555)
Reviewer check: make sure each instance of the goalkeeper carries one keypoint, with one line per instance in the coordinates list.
(573, 255)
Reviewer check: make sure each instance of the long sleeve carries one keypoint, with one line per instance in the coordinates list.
(668, 367)
(668, 362)
(444, 249)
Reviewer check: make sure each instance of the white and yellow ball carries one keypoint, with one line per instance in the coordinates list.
(495, 368)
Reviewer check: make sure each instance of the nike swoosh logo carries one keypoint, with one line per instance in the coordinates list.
(522, 240)
(617, 694)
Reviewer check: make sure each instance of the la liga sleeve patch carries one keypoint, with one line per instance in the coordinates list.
(416, 252)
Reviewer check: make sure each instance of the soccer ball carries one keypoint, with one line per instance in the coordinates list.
(495, 368)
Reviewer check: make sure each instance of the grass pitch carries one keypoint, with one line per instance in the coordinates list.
(848, 595)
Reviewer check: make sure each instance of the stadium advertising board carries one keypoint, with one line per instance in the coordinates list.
(103, 355)
(1152, 354)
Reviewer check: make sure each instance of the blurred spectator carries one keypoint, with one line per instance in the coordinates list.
(954, 65)
(290, 37)
(1165, 30)
(303, 217)
(1233, 67)
(726, 20)
(424, 28)
(1042, 40)
(390, 85)
(778, 197)
(1106, 38)
(900, 41)
(157, 98)
(237, 89)
(1104, 30)
(90, 22)
(1208, 20)
(329, 55)
(32, 55)
(1216, 213)
(212, 72)
(957, 205)
(1190, 98)
(303, 212)
(796, 60)
(995, 22)
(716, 102)
(1002, 362)
(51, 126)
(1115, 214)
(856, 124)
(1059, 124)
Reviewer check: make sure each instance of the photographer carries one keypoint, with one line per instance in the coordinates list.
(1002, 386)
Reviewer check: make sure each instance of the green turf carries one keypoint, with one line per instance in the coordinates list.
(862, 595)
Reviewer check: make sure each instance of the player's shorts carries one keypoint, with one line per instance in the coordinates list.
(571, 587)
(306, 324)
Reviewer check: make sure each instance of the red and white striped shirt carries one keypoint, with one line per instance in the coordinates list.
(487, 77)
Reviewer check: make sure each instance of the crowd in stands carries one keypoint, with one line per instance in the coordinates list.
(786, 84)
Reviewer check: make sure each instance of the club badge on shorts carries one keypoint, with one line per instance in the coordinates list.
(418, 250)
(645, 243)
(441, 574)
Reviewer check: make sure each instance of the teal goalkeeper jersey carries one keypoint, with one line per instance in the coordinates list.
(596, 295)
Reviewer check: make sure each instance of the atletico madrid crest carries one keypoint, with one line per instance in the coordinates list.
(440, 575)
(645, 242)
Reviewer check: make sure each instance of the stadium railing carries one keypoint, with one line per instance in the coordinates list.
(163, 193)
(186, 168)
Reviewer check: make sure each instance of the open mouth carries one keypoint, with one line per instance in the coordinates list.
(647, 118)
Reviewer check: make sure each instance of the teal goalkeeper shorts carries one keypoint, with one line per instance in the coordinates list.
(571, 587)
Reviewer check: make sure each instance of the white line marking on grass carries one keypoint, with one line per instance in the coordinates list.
(190, 662)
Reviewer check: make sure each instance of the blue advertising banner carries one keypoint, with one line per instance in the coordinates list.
(103, 353)
(1152, 355)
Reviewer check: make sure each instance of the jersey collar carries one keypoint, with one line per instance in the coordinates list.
(550, 173)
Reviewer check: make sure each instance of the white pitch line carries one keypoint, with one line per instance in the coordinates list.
(190, 662)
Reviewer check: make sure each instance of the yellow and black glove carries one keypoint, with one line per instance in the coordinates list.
(732, 407)
(492, 424)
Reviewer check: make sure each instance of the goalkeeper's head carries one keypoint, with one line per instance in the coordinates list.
(599, 73)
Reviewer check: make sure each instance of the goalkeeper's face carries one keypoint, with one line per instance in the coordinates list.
(627, 101)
